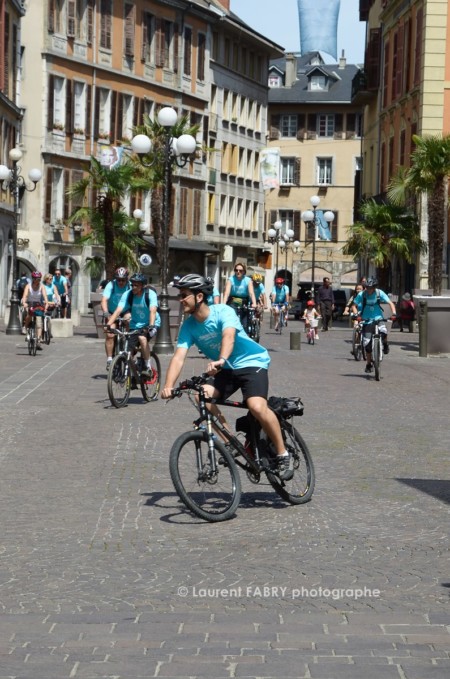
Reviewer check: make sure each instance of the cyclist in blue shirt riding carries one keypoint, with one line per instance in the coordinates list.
(112, 294)
(239, 293)
(367, 305)
(235, 360)
(280, 300)
(143, 309)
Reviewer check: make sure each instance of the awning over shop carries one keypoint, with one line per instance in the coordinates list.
(185, 244)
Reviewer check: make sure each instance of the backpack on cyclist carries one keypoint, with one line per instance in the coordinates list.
(146, 298)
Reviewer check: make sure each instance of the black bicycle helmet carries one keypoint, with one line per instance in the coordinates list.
(138, 278)
(371, 282)
(196, 283)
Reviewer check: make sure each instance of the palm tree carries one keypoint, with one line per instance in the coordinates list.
(428, 174)
(109, 224)
(387, 235)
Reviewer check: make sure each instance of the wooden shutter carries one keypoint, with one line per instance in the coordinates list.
(176, 47)
(97, 113)
(159, 52)
(48, 194)
(274, 130)
(372, 59)
(6, 56)
(418, 49)
(69, 106)
(76, 203)
(130, 20)
(105, 24)
(197, 212)
(386, 75)
(312, 125)
(187, 51)
(297, 167)
(407, 55)
(301, 124)
(90, 22)
(201, 56)
(119, 117)
(88, 110)
(51, 16)
(71, 11)
(147, 19)
(183, 211)
(296, 223)
(66, 201)
(334, 227)
(112, 122)
(51, 94)
(399, 73)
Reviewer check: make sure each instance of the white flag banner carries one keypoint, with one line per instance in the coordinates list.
(270, 168)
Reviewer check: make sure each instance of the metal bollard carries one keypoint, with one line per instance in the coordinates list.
(295, 341)
(423, 329)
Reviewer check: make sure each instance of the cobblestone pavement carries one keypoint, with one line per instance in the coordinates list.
(104, 574)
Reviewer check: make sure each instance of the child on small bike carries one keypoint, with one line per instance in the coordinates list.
(311, 314)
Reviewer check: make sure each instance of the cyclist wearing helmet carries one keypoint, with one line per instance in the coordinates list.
(143, 305)
(112, 294)
(35, 303)
(214, 297)
(367, 305)
(280, 300)
(260, 292)
(63, 291)
(235, 360)
(239, 293)
(309, 314)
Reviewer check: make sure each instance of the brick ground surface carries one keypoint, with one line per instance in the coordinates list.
(103, 574)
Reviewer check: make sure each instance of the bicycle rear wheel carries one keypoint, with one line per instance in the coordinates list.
(376, 358)
(46, 332)
(210, 495)
(119, 382)
(150, 385)
(356, 344)
(300, 488)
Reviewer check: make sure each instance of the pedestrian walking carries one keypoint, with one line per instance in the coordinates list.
(325, 301)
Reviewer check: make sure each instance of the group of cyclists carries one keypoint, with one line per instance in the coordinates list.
(42, 296)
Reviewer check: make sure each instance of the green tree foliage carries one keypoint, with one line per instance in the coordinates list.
(102, 192)
(428, 173)
(387, 234)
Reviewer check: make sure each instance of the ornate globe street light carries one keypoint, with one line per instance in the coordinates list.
(175, 151)
(311, 222)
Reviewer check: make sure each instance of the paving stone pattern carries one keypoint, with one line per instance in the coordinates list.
(104, 574)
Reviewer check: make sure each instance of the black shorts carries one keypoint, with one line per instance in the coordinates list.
(133, 341)
(251, 381)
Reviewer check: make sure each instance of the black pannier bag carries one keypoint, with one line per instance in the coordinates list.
(286, 407)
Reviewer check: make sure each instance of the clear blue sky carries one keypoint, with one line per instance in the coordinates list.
(278, 21)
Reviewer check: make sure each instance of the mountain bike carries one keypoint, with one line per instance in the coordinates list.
(204, 468)
(125, 372)
(358, 349)
(377, 345)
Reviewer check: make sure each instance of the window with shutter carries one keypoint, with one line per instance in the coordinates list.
(90, 21)
(129, 24)
(48, 195)
(326, 125)
(176, 43)
(87, 126)
(297, 168)
(69, 107)
(197, 212)
(159, 56)
(51, 16)
(66, 200)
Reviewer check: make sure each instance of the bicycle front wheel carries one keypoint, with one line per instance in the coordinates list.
(300, 487)
(150, 384)
(376, 359)
(356, 345)
(119, 382)
(211, 494)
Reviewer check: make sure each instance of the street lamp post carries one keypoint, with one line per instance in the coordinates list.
(12, 178)
(274, 236)
(176, 151)
(287, 243)
(310, 219)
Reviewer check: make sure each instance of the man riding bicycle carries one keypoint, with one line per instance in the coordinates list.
(280, 300)
(236, 361)
(260, 293)
(112, 294)
(143, 305)
(367, 304)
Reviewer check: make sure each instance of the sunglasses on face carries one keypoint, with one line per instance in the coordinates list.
(136, 285)
(121, 280)
(184, 295)
(239, 271)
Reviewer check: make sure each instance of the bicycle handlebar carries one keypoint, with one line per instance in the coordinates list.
(128, 333)
(193, 383)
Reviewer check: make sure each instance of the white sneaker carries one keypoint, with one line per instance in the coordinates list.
(108, 363)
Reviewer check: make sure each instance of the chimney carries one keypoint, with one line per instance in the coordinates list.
(342, 61)
(225, 4)
(291, 70)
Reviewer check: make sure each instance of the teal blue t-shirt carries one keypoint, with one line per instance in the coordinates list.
(239, 288)
(210, 299)
(259, 290)
(207, 336)
(281, 294)
(140, 312)
(372, 310)
(114, 293)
